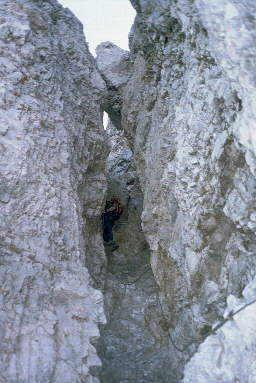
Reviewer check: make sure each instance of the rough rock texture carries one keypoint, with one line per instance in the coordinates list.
(115, 66)
(52, 187)
(229, 355)
(188, 113)
(134, 343)
(185, 99)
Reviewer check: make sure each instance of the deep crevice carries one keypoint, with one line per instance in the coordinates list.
(133, 346)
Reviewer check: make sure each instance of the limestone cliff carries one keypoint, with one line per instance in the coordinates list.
(52, 185)
(187, 112)
(182, 279)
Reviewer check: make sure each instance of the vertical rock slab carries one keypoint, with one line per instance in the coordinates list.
(51, 181)
(231, 29)
(187, 111)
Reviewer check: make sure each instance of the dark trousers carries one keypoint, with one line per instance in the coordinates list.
(108, 223)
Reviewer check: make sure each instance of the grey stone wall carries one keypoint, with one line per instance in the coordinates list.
(51, 137)
(184, 98)
(188, 114)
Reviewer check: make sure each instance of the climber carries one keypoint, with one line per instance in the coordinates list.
(112, 212)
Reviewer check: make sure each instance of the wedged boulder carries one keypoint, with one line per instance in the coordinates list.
(115, 67)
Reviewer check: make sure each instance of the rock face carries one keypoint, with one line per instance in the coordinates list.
(184, 99)
(188, 114)
(52, 187)
(229, 355)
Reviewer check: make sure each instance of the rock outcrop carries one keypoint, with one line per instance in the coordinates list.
(187, 112)
(183, 98)
(52, 188)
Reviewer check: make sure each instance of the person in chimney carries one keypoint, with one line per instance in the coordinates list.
(112, 212)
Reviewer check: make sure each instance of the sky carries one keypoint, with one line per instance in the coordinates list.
(103, 20)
